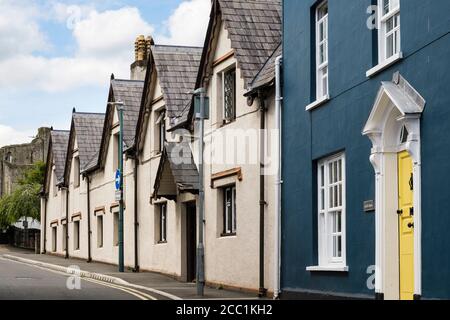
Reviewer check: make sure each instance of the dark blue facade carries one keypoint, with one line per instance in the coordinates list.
(337, 125)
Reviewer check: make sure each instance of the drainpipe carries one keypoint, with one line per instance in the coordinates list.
(67, 222)
(88, 194)
(279, 181)
(136, 216)
(262, 200)
(44, 198)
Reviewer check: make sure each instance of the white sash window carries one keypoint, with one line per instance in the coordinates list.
(389, 29)
(322, 50)
(331, 211)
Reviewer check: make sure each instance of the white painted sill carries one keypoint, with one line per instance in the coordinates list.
(317, 103)
(384, 65)
(328, 269)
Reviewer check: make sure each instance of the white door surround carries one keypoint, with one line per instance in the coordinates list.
(397, 106)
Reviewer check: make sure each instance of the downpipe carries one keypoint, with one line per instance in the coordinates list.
(88, 194)
(279, 181)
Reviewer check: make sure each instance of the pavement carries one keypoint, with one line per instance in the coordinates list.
(144, 284)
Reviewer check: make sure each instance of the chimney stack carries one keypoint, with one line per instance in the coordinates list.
(142, 48)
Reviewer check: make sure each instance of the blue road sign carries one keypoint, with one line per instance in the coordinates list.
(118, 180)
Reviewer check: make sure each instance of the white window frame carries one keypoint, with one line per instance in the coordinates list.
(163, 223)
(325, 211)
(383, 34)
(322, 92)
(229, 227)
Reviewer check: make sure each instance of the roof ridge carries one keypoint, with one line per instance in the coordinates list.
(127, 80)
(175, 46)
(61, 131)
(90, 113)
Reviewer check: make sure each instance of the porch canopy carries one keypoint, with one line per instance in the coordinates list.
(177, 172)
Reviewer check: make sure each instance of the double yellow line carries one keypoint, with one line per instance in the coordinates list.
(138, 294)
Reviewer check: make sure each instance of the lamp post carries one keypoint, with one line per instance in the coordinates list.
(120, 107)
(200, 116)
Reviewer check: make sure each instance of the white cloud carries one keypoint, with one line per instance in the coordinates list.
(104, 42)
(19, 30)
(10, 136)
(188, 24)
(110, 32)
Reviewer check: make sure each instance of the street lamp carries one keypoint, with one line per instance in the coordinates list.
(200, 117)
(120, 108)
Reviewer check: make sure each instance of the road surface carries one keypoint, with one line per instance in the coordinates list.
(23, 282)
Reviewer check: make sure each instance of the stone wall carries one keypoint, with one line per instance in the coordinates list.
(16, 159)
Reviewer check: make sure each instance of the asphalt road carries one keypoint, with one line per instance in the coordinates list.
(22, 282)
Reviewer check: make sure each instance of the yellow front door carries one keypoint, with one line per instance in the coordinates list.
(406, 225)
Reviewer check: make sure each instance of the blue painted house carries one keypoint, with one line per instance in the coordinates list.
(366, 149)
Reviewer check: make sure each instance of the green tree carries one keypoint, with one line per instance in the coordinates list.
(25, 200)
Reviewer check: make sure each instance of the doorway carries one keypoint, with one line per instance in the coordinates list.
(191, 241)
(406, 225)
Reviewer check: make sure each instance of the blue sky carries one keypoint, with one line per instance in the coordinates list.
(57, 55)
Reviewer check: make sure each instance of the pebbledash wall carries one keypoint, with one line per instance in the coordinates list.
(336, 126)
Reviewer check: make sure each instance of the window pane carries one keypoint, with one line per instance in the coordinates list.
(321, 31)
(340, 170)
(322, 199)
(385, 7)
(330, 170)
(321, 54)
(390, 46)
(390, 24)
(322, 176)
(229, 94)
(325, 85)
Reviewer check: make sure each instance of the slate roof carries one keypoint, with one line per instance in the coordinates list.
(88, 128)
(177, 69)
(59, 142)
(266, 76)
(255, 29)
(130, 93)
(184, 170)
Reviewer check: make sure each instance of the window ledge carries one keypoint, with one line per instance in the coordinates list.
(161, 242)
(318, 103)
(328, 269)
(384, 65)
(228, 235)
